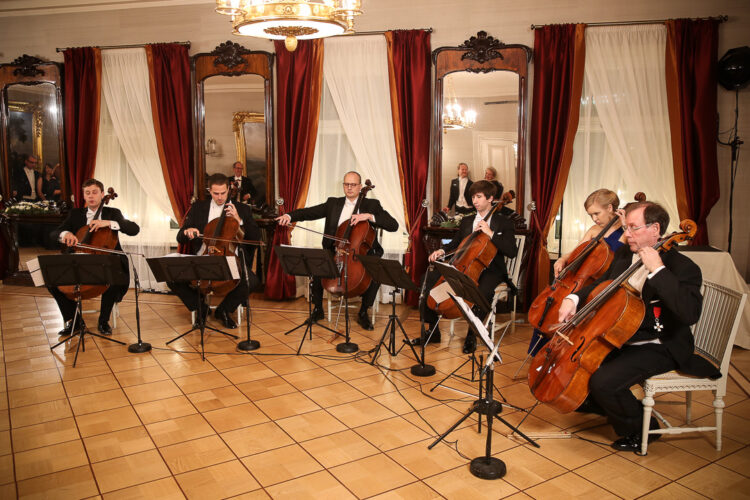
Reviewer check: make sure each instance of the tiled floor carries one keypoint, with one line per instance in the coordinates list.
(166, 424)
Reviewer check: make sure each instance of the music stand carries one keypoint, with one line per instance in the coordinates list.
(312, 263)
(77, 270)
(193, 268)
(487, 466)
(391, 273)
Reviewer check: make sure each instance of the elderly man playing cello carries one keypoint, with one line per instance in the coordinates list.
(669, 284)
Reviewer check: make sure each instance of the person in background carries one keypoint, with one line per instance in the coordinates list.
(459, 192)
(48, 185)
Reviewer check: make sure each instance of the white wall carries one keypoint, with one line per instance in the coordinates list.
(453, 21)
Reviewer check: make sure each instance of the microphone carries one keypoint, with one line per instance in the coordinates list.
(531, 206)
(425, 203)
(279, 201)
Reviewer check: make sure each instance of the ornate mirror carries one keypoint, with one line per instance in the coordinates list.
(479, 114)
(234, 117)
(32, 130)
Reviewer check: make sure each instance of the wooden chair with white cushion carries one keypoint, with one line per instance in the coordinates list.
(714, 337)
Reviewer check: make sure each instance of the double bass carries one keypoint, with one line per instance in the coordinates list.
(473, 255)
(587, 262)
(352, 241)
(220, 237)
(88, 241)
(560, 372)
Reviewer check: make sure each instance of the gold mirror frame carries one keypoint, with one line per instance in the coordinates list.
(239, 119)
(480, 54)
(28, 70)
(231, 59)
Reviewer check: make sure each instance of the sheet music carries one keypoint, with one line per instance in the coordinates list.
(483, 333)
(231, 262)
(35, 271)
(442, 292)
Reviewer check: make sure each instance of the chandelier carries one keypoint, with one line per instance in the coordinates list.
(454, 117)
(291, 20)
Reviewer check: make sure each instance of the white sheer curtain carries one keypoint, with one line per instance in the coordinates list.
(128, 158)
(356, 133)
(623, 139)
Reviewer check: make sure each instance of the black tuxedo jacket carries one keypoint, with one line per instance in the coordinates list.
(504, 239)
(454, 192)
(247, 188)
(76, 219)
(676, 289)
(331, 210)
(21, 183)
(197, 217)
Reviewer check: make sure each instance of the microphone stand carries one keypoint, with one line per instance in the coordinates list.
(139, 346)
(422, 369)
(248, 344)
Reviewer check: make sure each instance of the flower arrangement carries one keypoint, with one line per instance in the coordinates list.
(456, 220)
(33, 208)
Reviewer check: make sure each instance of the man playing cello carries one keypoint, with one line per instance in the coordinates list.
(112, 218)
(200, 214)
(669, 284)
(336, 211)
(501, 231)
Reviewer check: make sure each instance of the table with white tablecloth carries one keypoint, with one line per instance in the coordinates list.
(719, 268)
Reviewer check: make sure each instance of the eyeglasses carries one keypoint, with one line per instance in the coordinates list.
(351, 184)
(632, 229)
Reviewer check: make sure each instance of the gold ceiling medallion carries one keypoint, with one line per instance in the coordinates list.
(290, 20)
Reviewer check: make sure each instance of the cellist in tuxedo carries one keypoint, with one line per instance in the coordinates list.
(112, 218)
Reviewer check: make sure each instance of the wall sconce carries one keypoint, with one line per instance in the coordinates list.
(212, 148)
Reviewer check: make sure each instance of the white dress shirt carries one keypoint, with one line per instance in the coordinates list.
(461, 202)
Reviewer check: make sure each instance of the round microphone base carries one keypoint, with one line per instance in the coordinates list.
(423, 370)
(248, 345)
(347, 347)
(487, 468)
(139, 347)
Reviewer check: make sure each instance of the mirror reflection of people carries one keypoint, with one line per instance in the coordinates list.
(200, 214)
(48, 185)
(490, 174)
(25, 179)
(459, 192)
(501, 231)
(336, 211)
(246, 193)
(112, 218)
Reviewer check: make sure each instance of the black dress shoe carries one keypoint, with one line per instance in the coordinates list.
(104, 328)
(435, 339)
(364, 320)
(224, 318)
(71, 329)
(633, 442)
(318, 314)
(470, 344)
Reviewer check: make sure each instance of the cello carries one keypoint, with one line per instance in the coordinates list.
(220, 237)
(352, 241)
(473, 255)
(559, 373)
(587, 262)
(104, 238)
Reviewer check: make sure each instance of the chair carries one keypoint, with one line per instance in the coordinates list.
(353, 301)
(504, 291)
(115, 313)
(714, 337)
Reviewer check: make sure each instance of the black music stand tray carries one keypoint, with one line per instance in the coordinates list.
(391, 273)
(77, 270)
(193, 268)
(312, 263)
(487, 466)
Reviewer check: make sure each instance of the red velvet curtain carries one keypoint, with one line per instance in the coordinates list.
(169, 75)
(559, 52)
(300, 79)
(409, 68)
(692, 51)
(82, 90)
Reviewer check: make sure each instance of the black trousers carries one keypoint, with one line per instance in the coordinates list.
(189, 296)
(488, 281)
(610, 385)
(114, 293)
(368, 298)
